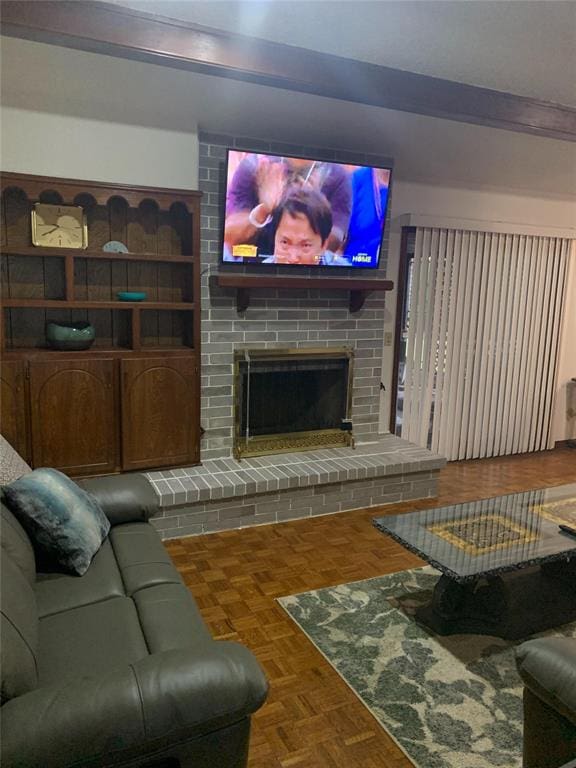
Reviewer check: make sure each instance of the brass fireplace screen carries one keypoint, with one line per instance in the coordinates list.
(292, 400)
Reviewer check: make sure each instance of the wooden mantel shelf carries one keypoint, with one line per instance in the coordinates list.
(358, 288)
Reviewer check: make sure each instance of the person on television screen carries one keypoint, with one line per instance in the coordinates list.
(369, 198)
(301, 225)
(259, 183)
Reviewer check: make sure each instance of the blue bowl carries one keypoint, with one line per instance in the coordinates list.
(131, 295)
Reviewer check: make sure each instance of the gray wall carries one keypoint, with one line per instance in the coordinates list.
(279, 318)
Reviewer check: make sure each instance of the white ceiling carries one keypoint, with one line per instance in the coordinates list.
(51, 79)
(525, 48)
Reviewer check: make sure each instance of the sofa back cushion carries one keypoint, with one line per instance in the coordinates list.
(16, 544)
(18, 632)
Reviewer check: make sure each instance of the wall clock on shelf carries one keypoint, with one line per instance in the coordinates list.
(59, 226)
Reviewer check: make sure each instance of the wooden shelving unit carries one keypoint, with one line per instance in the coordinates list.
(358, 288)
(130, 401)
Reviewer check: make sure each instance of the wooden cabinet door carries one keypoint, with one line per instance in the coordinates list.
(14, 406)
(73, 408)
(159, 412)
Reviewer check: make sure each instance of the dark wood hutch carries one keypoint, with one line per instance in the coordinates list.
(131, 401)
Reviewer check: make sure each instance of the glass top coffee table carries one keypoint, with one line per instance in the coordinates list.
(508, 569)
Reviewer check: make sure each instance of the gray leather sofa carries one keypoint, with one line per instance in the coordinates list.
(548, 668)
(116, 667)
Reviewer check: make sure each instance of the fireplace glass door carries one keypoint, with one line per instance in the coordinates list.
(291, 400)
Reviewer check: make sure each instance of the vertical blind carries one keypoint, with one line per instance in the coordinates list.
(484, 318)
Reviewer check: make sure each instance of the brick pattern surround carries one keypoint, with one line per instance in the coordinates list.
(294, 318)
(223, 493)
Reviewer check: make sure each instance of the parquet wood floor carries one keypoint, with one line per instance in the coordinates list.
(312, 719)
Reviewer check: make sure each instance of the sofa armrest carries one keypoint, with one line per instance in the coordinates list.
(124, 498)
(548, 668)
(159, 702)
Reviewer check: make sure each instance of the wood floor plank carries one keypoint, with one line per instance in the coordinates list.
(312, 719)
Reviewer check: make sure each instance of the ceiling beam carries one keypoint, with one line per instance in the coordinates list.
(117, 31)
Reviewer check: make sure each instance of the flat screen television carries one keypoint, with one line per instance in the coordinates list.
(297, 211)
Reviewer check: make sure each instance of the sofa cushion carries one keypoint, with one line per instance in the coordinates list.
(18, 631)
(56, 592)
(547, 666)
(89, 641)
(16, 544)
(141, 557)
(126, 498)
(169, 617)
(64, 522)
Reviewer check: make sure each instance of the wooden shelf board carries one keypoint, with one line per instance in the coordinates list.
(324, 282)
(30, 353)
(62, 304)
(358, 288)
(80, 254)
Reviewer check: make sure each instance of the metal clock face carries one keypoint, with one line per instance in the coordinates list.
(59, 226)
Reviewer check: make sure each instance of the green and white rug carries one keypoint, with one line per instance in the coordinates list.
(448, 702)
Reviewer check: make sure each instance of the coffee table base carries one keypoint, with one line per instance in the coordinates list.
(511, 606)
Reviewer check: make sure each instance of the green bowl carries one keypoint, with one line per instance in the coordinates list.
(71, 337)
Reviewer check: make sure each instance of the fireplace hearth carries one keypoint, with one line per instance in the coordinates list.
(292, 400)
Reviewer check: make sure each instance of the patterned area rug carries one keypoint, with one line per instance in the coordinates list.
(448, 702)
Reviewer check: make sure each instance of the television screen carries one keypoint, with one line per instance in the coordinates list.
(296, 211)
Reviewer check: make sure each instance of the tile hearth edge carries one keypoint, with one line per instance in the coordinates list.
(225, 494)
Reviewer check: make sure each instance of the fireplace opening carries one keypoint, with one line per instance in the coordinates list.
(290, 400)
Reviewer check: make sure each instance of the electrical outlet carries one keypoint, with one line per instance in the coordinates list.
(388, 338)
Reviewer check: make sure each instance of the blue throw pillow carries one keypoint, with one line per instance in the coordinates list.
(66, 524)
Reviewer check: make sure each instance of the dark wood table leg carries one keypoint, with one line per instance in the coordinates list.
(512, 606)
(565, 570)
(470, 607)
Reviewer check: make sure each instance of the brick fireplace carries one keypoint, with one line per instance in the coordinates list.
(227, 493)
(299, 318)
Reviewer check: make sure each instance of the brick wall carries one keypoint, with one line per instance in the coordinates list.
(279, 318)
